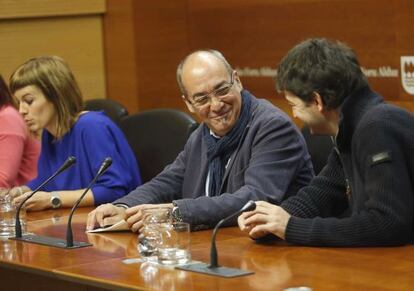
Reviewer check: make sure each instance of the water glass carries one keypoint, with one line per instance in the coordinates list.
(174, 243)
(149, 237)
(8, 215)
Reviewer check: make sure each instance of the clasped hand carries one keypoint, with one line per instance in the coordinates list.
(265, 219)
(40, 201)
(109, 214)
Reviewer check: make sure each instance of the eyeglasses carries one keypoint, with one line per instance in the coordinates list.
(219, 93)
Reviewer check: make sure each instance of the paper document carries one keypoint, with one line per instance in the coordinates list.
(119, 226)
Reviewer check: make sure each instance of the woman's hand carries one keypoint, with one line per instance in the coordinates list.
(39, 201)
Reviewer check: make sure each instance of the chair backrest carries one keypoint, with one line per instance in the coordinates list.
(157, 137)
(319, 146)
(112, 108)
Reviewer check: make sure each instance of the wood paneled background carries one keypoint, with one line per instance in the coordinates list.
(70, 29)
(145, 40)
(128, 50)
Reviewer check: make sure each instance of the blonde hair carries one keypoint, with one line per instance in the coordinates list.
(54, 78)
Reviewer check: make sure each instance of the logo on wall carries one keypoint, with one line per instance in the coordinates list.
(407, 73)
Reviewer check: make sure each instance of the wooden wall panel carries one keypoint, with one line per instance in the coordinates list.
(161, 42)
(257, 34)
(11, 9)
(70, 29)
(77, 39)
(254, 35)
(144, 43)
(120, 53)
(404, 37)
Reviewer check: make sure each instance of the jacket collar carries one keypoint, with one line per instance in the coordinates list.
(352, 110)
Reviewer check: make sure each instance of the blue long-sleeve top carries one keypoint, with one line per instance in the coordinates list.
(92, 138)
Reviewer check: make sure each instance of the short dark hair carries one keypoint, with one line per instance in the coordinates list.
(329, 68)
(5, 97)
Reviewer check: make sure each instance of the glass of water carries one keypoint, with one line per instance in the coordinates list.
(8, 215)
(150, 236)
(174, 244)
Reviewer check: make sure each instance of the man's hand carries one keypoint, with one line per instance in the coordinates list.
(266, 218)
(134, 215)
(40, 201)
(104, 215)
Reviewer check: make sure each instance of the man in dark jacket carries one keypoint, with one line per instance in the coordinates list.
(245, 149)
(364, 195)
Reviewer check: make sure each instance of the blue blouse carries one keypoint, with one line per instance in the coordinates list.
(92, 138)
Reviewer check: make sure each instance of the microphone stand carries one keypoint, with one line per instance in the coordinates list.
(214, 268)
(64, 243)
(67, 164)
(69, 234)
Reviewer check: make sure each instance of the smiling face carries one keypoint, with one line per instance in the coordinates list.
(37, 111)
(314, 114)
(204, 74)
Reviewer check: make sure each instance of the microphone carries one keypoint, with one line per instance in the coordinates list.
(68, 243)
(249, 206)
(69, 234)
(213, 268)
(67, 164)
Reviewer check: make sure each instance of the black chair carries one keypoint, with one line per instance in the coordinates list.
(112, 108)
(157, 137)
(319, 147)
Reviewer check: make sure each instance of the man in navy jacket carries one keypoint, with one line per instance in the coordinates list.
(245, 149)
(364, 195)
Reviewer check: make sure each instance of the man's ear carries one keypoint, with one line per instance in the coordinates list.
(237, 80)
(188, 104)
(318, 101)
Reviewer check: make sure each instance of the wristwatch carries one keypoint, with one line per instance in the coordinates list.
(175, 213)
(55, 200)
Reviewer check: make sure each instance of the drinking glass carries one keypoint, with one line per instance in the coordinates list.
(8, 215)
(174, 244)
(150, 235)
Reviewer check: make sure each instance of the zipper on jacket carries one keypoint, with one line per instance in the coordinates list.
(348, 191)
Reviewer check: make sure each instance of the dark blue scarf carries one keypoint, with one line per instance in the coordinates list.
(220, 150)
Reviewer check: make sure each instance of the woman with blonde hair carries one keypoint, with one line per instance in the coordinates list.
(50, 100)
(19, 151)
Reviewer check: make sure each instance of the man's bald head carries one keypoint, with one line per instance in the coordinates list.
(198, 60)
